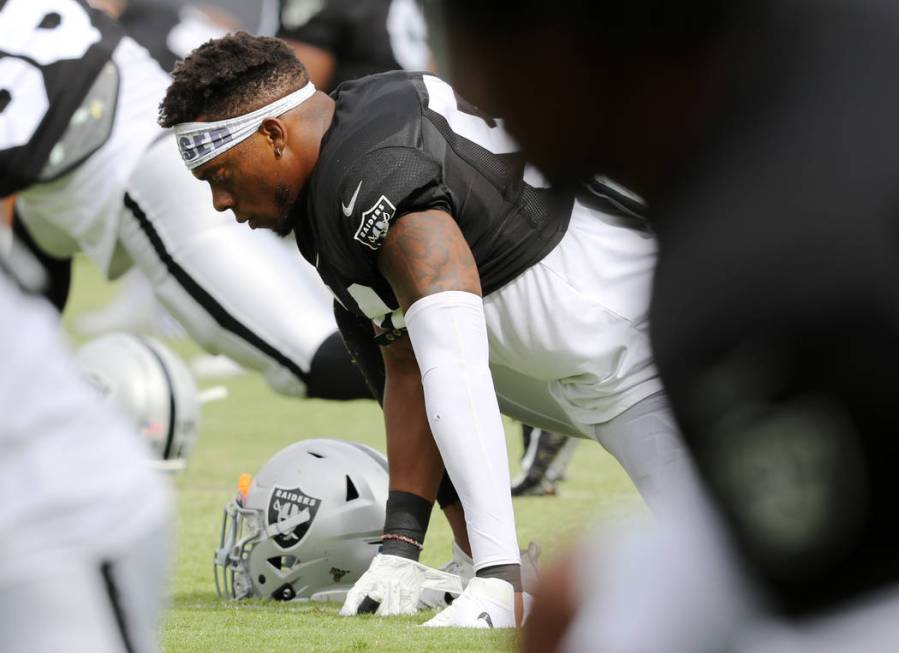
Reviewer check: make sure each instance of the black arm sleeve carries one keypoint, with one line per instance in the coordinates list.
(358, 336)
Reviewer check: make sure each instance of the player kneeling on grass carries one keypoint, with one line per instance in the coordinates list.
(422, 218)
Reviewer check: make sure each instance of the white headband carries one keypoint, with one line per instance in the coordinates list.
(200, 142)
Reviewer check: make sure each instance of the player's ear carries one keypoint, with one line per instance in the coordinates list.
(275, 133)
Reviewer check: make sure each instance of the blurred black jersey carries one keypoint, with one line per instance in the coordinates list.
(404, 142)
(170, 33)
(54, 70)
(365, 37)
(775, 317)
(153, 25)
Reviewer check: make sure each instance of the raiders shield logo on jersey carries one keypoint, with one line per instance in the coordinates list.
(290, 514)
(375, 223)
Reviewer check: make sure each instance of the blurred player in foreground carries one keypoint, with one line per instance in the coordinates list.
(83, 565)
(421, 217)
(763, 134)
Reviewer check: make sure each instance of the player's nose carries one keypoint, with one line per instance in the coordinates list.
(222, 200)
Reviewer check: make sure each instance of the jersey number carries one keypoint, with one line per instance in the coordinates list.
(494, 139)
(442, 99)
(32, 33)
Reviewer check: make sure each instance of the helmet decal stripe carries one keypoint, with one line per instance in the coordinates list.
(169, 383)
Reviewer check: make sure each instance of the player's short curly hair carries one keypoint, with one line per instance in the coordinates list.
(230, 76)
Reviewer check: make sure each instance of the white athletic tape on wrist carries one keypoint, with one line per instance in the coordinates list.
(200, 142)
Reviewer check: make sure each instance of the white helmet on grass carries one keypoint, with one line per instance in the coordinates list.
(307, 526)
(151, 386)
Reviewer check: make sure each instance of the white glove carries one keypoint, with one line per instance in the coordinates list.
(392, 585)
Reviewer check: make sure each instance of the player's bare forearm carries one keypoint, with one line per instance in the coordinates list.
(426, 253)
(415, 463)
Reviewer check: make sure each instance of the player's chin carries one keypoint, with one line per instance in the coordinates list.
(255, 222)
(282, 227)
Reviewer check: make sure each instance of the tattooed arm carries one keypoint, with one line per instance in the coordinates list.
(423, 253)
(439, 377)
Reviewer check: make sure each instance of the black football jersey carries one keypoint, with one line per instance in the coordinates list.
(404, 142)
(51, 53)
(778, 279)
(170, 33)
(365, 37)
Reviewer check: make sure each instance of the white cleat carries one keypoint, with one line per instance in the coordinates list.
(485, 603)
(462, 565)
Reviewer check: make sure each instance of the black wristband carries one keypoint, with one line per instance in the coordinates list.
(407, 515)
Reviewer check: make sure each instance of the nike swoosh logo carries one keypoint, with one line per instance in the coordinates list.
(348, 210)
(486, 617)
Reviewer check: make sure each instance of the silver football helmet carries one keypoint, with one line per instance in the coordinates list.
(307, 526)
(151, 386)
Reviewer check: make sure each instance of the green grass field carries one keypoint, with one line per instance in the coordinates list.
(240, 433)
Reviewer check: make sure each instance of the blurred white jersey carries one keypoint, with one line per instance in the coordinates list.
(73, 475)
(681, 576)
(83, 563)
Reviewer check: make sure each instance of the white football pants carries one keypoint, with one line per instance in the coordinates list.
(570, 352)
(238, 292)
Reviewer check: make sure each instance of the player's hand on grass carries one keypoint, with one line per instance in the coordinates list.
(392, 586)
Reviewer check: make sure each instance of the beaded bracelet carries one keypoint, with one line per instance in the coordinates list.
(402, 538)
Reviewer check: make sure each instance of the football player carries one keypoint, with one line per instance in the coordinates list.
(84, 562)
(92, 171)
(339, 40)
(421, 217)
(764, 136)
